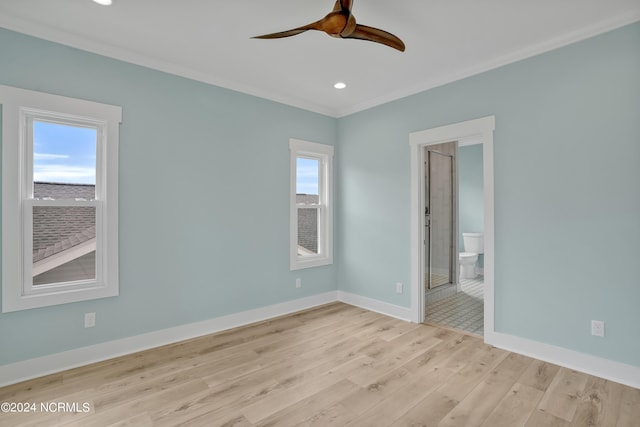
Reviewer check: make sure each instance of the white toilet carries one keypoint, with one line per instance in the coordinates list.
(473, 245)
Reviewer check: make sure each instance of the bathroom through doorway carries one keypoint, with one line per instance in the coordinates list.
(455, 200)
(458, 301)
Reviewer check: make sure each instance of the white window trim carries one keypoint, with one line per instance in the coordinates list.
(17, 104)
(324, 153)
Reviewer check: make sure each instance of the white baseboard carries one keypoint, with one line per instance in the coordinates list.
(402, 313)
(593, 365)
(45, 365)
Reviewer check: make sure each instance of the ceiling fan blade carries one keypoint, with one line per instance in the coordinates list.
(282, 34)
(313, 26)
(362, 32)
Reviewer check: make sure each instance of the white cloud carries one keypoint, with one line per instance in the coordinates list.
(46, 156)
(64, 173)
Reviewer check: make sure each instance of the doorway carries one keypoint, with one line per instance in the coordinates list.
(482, 130)
(459, 303)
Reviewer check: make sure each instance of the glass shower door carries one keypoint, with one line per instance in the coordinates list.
(439, 220)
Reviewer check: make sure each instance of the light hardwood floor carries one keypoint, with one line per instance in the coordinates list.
(335, 365)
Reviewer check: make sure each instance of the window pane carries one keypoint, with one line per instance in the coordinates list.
(64, 155)
(64, 244)
(307, 176)
(308, 231)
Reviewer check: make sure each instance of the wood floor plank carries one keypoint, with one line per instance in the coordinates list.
(167, 374)
(375, 392)
(454, 352)
(286, 367)
(393, 407)
(31, 387)
(140, 420)
(599, 405)
(334, 416)
(217, 420)
(333, 365)
(297, 413)
(515, 409)
(428, 412)
(304, 352)
(432, 372)
(477, 405)
(564, 394)
(220, 404)
(395, 330)
(473, 372)
(388, 356)
(540, 418)
(629, 407)
(283, 398)
(539, 375)
(287, 339)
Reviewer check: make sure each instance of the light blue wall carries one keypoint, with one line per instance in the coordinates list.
(470, 191)
(204, 216)
(567, 192)
(199, 164)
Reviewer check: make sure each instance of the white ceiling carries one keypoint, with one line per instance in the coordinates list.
(209, 40)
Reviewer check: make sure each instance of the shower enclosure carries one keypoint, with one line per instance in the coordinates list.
(440, 213)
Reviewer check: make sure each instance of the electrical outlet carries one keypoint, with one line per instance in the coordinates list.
(399, 288)
(298, 283)
(597, 328)
(89, 320)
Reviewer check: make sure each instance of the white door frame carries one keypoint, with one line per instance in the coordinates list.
(481, 129)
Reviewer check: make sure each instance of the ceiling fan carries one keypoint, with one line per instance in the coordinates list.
(340, 22)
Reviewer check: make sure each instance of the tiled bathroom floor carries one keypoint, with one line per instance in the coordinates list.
(464, 310)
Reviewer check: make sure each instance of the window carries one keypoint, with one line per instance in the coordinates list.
(59, 199)
(311, 225)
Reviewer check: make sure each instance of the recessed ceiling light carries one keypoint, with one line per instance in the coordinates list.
(103, 2)
(340, 85)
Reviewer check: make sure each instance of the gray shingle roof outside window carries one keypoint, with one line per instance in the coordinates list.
(308, 223)
(56, 229)
(64, 191)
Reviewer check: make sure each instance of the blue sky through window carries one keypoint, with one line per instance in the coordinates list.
(64, 153)
(307, 173)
